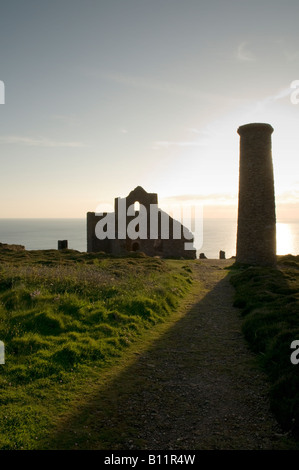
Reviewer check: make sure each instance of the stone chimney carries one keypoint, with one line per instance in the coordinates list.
(256, 233)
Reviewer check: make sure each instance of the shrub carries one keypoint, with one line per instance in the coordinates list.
(269, 303)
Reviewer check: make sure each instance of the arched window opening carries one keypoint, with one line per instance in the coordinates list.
(136, 206)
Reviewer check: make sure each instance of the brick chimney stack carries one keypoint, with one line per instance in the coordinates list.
(256, 233)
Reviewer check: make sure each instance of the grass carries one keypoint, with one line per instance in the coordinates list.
(269, 299)
(64, 317)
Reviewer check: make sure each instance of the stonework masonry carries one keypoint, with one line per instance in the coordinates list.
(151, 246)
(256, 232)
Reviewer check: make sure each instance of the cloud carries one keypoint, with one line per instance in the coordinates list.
(213, 198)
(290, 53)
(194, 130)
(203, 138)
(291, 196)
(70, 120)
(282, 94)
(268, 100)
(37, 142)
(245, 55)
(151, 84)
(165, 144)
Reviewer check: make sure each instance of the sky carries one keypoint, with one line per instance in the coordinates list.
(101, 96)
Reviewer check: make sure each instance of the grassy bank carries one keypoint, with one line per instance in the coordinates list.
(269, 299)
(66, 315)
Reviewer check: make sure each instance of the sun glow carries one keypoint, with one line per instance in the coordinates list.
(284, 239)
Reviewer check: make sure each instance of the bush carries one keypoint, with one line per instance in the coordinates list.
(269, 303)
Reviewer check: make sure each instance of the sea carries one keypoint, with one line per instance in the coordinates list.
(215, 235)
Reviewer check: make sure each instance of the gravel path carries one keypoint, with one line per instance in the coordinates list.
(196, 387)
(201, 389)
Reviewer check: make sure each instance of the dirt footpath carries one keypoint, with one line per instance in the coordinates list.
(196, 387)
(201, 388)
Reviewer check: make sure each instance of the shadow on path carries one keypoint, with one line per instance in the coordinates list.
(195, 387)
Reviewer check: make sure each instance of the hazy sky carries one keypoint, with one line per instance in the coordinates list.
(104, 95)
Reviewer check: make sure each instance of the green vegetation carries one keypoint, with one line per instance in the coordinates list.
(269, 299)
(64, 316)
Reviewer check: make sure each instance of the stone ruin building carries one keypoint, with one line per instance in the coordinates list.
(138, 230)
(256, 233)
(256, 230)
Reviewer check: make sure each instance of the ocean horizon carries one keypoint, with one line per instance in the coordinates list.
(217, 234)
